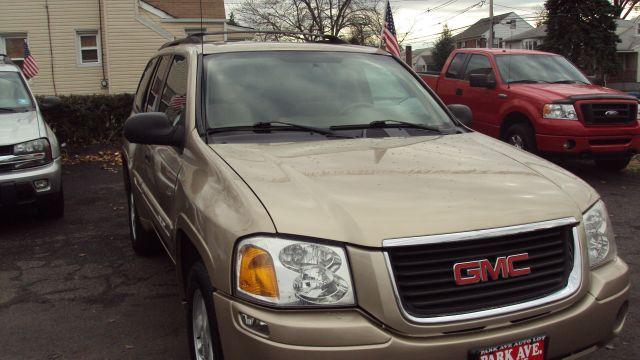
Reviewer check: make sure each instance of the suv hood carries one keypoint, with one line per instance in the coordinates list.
(553, 92)
(18, 127)
(363, 191)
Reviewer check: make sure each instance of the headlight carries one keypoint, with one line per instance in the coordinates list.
(600, 239)
(31, 153)
(560, 112)
(293, 273)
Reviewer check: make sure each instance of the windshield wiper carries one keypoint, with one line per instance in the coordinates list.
(569, 81)
(9, 109)
(385, 123)
(527, 81)
(268, 125)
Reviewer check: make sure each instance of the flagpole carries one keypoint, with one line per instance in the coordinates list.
(383, 25)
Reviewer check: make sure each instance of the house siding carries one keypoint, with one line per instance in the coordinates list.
(130, 37)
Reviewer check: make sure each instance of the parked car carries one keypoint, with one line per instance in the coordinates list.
(30, 164)
(541, 102)
(320, 202)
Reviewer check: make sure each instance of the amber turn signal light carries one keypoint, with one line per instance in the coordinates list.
(257, 273)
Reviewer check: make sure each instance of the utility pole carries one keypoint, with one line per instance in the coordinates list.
(490, 45)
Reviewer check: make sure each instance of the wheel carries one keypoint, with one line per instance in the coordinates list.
(143, 242)
(204, 337)
(613, 164)
(52, 207)
(522, 136)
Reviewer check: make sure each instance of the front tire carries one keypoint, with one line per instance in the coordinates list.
(52, 207)
(522, 136)
(613, 164)
(204, 337)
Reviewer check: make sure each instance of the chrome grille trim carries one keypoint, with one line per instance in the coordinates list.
(573, 282)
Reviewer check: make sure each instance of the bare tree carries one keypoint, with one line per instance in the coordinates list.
(624, 7)
(353, 19)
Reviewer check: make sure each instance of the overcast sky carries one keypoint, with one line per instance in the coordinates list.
(424, 18)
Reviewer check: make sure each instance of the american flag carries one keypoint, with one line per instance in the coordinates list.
(177, 102)
(389, 33)
(29, 64)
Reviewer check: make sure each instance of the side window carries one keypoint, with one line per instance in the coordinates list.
(143, 86)
(455, 67)
(174, 95)
(156, 84)
(478, 64)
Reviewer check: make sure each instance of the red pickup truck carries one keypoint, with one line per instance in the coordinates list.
(541, 102)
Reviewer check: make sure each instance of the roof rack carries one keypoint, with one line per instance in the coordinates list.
(5, 59)
(197, 38)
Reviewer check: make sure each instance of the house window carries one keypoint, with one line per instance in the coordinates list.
(13, 46)
(88, 43)
(191, 31)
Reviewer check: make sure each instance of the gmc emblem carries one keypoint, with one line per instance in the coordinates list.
(472, 272)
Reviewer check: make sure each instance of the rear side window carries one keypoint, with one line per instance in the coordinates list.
(478, 64)
(143, 86)
(455, 68)
(156, 84)
(174, 95)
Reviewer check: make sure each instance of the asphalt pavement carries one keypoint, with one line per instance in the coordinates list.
(73, 288)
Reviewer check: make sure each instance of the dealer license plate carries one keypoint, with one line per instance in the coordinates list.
(528, 349)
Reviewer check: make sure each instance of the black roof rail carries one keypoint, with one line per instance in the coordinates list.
(5, 59)
(197, 38)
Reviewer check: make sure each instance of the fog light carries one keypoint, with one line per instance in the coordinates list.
(254, 324)
(41, 185)
(569, 144)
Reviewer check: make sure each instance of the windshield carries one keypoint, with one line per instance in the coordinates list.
(538, 69)
(13, 93)
(318, 89)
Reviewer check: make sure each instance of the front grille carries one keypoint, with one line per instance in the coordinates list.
(425, 281)
(6, 150)
(609, 114)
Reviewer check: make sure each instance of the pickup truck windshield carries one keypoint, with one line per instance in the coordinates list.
(314, 89)
(13, 93)
(541, 68)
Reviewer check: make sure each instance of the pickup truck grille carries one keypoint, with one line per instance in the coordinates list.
(609, 114)
(424, 276)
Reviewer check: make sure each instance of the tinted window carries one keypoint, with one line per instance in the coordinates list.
(320, 89)
(538, 69)
(143, 86)
(456, 66)
(174, 95)
(478, 64)
(156, 85)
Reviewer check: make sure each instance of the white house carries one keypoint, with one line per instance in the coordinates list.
(504, 26)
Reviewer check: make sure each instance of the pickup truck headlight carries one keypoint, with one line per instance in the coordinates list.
(600, 239)
(559, 112)
(31, 153)
(293, 273)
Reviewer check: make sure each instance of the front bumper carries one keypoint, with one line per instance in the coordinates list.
(353, 334)
(17, 187)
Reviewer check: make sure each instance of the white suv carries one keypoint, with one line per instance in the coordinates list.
(30, 164)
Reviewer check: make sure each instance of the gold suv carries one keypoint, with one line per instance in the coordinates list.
(320, 202)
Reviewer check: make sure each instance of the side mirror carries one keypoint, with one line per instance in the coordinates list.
(49, 102)
(462, 113)
(152, 128)
(482, 81)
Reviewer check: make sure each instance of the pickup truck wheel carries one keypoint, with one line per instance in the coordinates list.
(613, 164)
(204, 337)
(522, 136)
(143, 242)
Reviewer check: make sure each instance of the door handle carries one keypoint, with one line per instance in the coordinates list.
(459, 92)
